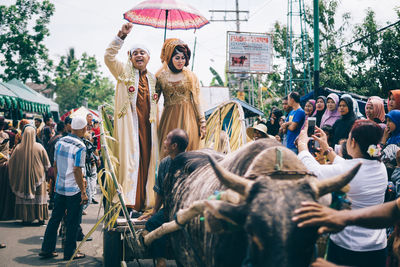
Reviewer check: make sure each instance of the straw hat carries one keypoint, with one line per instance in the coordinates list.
(260, 127)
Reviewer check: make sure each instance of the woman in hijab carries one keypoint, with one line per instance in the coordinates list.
(394, 100)
(356, 108)
(273, 122)
(342, 126)
(331, 114)
(391, 134)
(7, 198)
(181, 90)
(48, 133)
(320, 107)
(391, 141)
(309, 108)
(27, 167)
(375, 110)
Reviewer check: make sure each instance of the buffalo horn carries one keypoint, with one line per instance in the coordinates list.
(337, 182)
(229, 179)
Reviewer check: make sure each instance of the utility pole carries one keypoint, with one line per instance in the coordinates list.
(237, 20)
(300, 58)
(237, 16)
(225, 11)
(316, 49)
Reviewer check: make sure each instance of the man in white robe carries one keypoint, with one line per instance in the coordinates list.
(135, 121)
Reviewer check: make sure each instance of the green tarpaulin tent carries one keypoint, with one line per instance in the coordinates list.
(14, 94)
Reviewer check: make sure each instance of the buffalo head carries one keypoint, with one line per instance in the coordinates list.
(266, 210)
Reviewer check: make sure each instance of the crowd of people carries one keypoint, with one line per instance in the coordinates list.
(330, 135)
(28, 168)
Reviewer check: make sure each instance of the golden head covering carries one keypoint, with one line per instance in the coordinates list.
(168, 48)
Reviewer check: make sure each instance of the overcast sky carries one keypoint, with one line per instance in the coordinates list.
(89, 26)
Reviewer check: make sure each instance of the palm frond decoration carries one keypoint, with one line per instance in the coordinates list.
(110, 188)
(216, 80)
(226, 127)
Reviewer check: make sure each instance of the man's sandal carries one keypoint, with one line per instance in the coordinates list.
(78, 255)
(47, 255)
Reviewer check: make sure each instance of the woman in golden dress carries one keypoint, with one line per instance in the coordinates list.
(181, 90)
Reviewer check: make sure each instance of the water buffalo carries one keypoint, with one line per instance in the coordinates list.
(264, 182)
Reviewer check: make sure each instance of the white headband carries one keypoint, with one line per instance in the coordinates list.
(139, 46)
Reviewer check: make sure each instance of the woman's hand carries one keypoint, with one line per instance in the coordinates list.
(321, 137)
(302, 139)
(386, 135)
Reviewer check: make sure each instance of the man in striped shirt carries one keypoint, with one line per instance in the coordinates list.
(70, 190)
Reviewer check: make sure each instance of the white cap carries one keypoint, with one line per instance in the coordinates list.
(139, 46)
(78, 123)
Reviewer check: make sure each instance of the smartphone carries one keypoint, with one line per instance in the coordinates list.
(311, 146)
(311, 126)
(316, 144)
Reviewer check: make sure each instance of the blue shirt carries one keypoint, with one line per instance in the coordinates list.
(70, 152)
(298, 116)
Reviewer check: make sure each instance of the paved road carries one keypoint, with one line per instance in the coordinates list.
(24, 243)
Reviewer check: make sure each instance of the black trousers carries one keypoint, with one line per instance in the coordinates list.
(342, 256)
(157, 248)
(72, 205)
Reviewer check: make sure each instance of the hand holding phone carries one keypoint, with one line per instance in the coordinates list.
(311, 126)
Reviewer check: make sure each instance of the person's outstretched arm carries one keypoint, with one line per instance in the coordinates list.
(330, 220)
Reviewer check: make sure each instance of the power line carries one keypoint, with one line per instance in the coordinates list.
(360, 39)
(259, 9)
(237, 11)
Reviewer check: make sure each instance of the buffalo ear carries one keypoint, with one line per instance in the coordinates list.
(218, 213)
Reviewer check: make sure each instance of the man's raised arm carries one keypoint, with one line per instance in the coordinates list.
(116, 67)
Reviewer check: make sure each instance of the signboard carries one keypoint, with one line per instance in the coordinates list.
(249, 52)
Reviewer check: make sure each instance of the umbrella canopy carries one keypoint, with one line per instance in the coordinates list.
(166, 14)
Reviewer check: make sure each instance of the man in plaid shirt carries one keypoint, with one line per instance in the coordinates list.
(70, 191)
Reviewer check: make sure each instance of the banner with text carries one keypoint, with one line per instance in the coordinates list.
(249, 52)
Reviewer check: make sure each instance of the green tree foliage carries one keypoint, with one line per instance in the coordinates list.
(368, 67)
(375, 60)
(79, 80)
(332, 65)
(23, 27)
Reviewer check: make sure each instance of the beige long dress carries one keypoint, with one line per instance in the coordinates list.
(27, 167)
(181, 108)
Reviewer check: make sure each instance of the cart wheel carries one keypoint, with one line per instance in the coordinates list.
(123, 264)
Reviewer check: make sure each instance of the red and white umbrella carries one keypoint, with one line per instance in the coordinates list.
(166, 14)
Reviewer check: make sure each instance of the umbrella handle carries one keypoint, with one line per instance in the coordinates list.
(166, 20)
